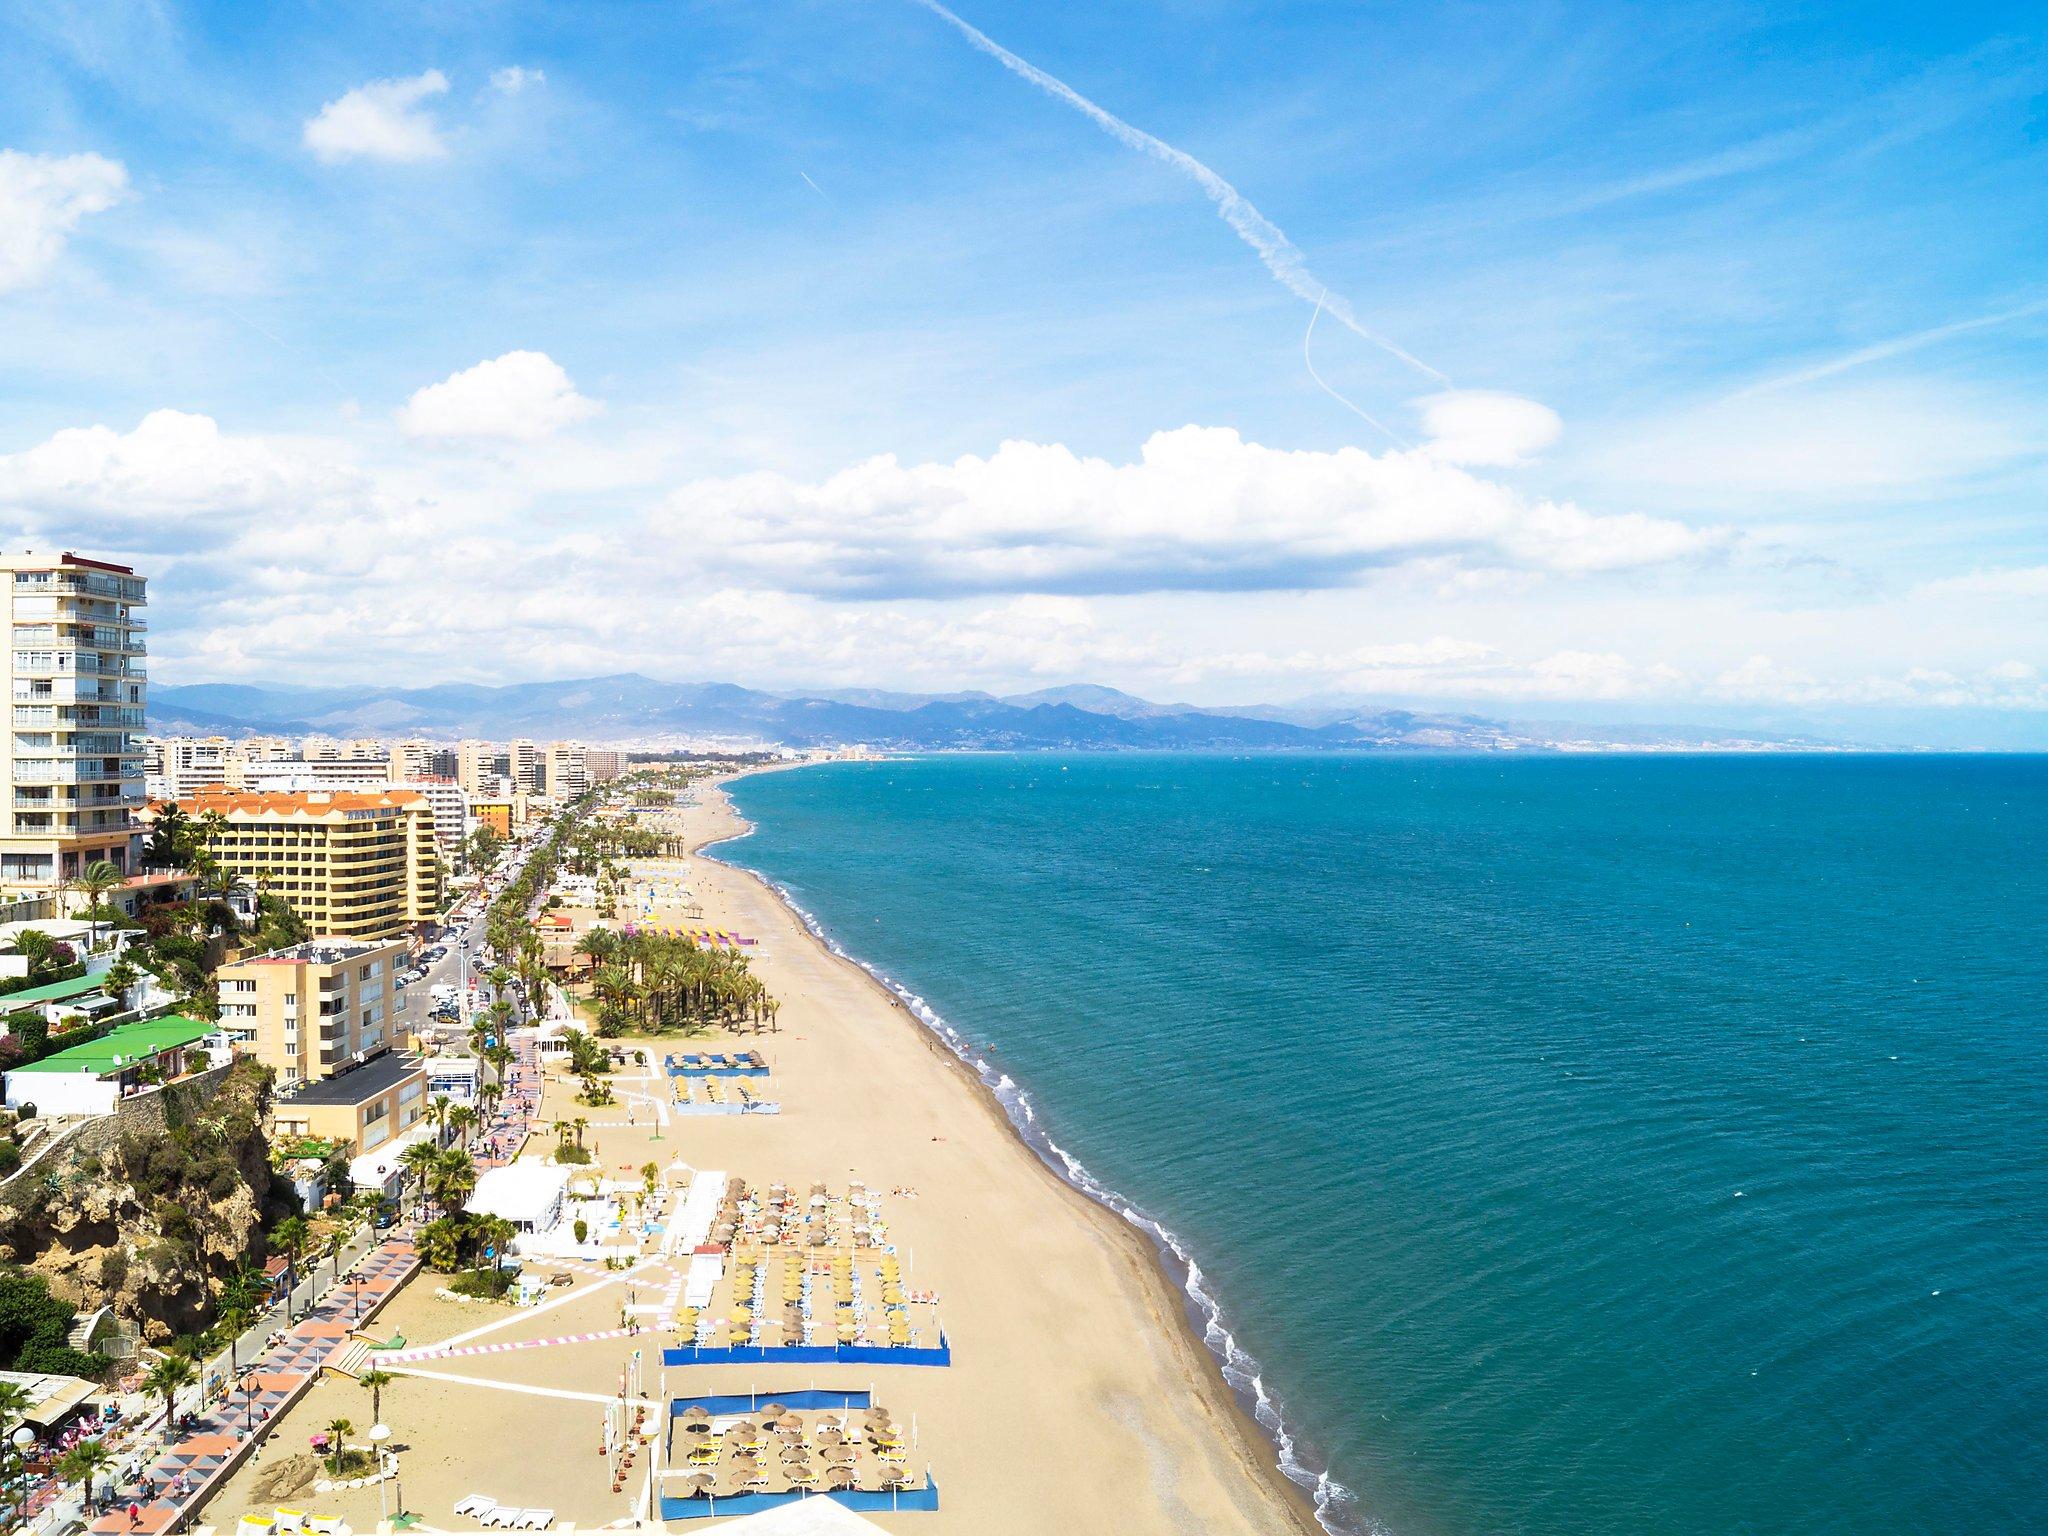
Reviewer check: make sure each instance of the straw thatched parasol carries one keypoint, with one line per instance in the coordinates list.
(696, 1413)
(703, 1483)
(772, 1412)
(840, 1477)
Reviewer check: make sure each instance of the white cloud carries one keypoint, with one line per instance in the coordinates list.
(1200, 510)
(1474, 426)
(513, 79)
(42, 200)
(177, 478)
(520, 396)
(383, 120)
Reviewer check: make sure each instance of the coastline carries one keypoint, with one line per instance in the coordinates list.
(1187, 1319)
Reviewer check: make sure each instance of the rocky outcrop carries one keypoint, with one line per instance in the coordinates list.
(150, 1212)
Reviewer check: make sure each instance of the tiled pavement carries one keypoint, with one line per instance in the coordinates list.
(220, 1436)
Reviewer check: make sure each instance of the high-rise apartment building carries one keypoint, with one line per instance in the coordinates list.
(479, 765)
(528, 766)
(603, 763)
(316, 1008)
(567, 777)
(411, 760)
(358, 865)
(73, 754)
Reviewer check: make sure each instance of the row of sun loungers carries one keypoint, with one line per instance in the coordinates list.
(289, 1522)
(488, 1511)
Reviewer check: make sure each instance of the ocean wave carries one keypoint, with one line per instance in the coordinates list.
(1336, 1506)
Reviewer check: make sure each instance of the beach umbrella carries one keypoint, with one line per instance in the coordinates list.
(831, 1434)
(703, 1483)
(840, 1477)
(841, 1454)
(773, 1411)
(697, 1413)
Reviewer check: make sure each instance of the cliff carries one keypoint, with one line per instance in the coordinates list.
(150, 1211)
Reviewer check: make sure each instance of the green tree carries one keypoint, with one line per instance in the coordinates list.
(374, 1381)
(338, 1430)
(95, 880)
(292, 1238)
(81, 1464)
(166, 1379)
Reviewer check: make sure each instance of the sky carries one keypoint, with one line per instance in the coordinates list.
(1670, 362)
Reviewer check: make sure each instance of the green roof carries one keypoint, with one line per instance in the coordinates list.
(51, 992)
(124, 1046)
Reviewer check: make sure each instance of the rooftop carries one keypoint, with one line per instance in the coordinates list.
(357, 1085)
(124, 1046)
(320, 951)
(297, 802)
(50, 992)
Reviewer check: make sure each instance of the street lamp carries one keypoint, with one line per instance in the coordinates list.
(22, 1441)
(386, 1464)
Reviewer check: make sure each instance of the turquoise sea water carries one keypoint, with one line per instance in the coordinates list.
(1573, 1145)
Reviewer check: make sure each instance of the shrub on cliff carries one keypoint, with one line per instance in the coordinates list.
(33, 1327)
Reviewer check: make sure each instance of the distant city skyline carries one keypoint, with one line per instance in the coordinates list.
(1668, 365)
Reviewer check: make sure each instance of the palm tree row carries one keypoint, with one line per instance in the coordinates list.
(657, 981)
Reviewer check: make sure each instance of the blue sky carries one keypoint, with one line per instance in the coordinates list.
(808, 344)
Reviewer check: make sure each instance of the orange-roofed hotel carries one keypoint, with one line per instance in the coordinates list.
(353, 865)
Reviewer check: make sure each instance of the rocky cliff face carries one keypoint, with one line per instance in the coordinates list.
(151, 1211)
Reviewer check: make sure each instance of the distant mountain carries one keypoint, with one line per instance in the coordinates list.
(631, 708)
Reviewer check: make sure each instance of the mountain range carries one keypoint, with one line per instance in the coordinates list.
(643, 710)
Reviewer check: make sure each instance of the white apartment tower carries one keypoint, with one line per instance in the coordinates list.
(73, 755)
(568, 776)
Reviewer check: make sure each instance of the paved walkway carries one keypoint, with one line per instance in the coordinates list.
(213, 1444)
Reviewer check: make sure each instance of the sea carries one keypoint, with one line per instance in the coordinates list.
(1589, 1145)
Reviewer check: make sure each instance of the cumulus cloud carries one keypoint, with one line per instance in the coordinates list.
(383, 120)
(1474, 426)
(513, 79)
(1200, 510)
(521, 396)
(175, 480)
(42, 200)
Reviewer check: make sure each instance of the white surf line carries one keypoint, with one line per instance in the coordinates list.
(504, 1386)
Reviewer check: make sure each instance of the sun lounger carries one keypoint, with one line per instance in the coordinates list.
(254, 1525)
(324, 1525)
(536, 1519)
(475, 1504)
(290, 1521)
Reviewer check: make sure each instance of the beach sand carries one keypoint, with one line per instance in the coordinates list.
(1079, 1399)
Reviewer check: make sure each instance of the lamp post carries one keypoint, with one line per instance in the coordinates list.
(386, 1463)
(21, 1442)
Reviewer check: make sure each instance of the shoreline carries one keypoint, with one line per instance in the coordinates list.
(1190, 1316)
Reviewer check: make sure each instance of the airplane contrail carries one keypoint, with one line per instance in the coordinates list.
(1371, 421)
(813, 185)
(1282, 258)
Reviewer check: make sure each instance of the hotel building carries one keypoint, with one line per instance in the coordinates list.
(353, 865)
(73, 756)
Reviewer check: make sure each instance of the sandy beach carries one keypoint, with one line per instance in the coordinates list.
(1078, 1399)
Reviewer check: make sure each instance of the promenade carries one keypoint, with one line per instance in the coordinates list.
(214, 1440)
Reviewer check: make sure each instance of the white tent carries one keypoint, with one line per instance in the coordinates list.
(806, 1517)
(529, 1195)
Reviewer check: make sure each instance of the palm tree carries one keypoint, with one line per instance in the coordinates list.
(494, 1233)
(80, 1464)
(95, 880)
(462, 1118)
(439, 1245)
(338, 1430)
(438, 1110)
(420, 1159)
(454, 1178)
(166, 1379)
(235, 1319)
(581, 1124)
(374, 1382)
(291, 1237)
